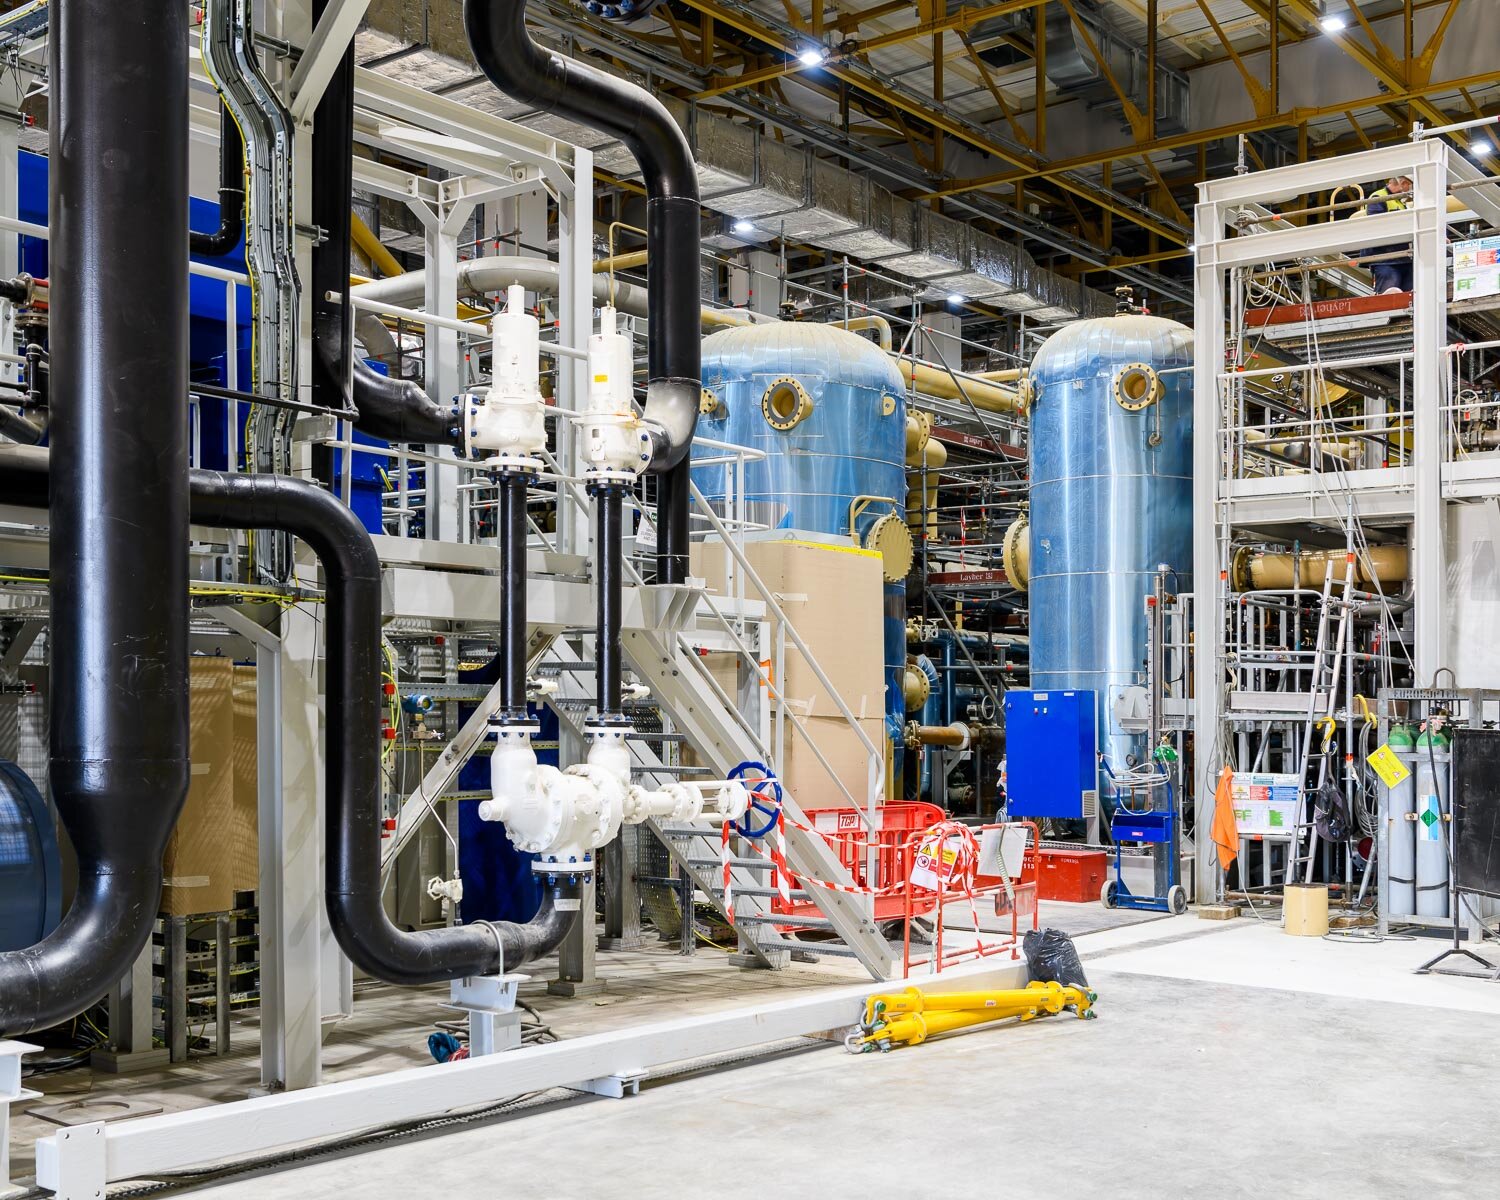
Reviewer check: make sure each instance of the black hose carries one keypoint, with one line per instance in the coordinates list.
(119, 495)
(610, 569)
(535, 76)
(231, 228)
(512, 656)
(352, 825)
(394, 409)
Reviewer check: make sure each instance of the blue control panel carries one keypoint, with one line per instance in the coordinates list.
(1051, 760)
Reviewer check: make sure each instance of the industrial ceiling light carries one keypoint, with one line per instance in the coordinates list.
(1333, 23)
(955, 298)
(743, 226)
(1479, 147)
(812, 56)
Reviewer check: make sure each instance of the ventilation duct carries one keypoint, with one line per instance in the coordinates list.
(786, 191)
(1074, 69)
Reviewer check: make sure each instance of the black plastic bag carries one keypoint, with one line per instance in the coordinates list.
(1051, 957)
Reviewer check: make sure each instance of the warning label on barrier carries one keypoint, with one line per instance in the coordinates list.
(1392, 771)
(935, 862)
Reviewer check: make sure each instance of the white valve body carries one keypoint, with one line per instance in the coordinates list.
(567, 815)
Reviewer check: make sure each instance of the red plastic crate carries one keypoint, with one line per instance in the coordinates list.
(1076, 875)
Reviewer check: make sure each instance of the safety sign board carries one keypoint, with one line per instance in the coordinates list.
(1392, 771)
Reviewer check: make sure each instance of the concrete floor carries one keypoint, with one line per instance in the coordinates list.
(1229, 1060)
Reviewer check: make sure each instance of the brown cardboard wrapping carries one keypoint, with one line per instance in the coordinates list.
(833, 595)
(809, 781)
(246, 782)
(198, 865)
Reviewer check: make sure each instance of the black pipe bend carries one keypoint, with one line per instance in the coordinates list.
(231, 193)
(394, 409)
(352, 828)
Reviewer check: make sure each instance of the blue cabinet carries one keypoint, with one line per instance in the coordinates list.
(1051, 759)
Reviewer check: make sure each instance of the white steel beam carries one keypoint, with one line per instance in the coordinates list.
(69, 1163)
(388, 97)
(330, 39)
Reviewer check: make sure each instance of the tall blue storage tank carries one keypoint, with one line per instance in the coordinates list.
(1111, 498)
(828, 408)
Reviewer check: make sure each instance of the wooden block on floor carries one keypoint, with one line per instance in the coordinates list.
(1218, 912)
(1352, 921)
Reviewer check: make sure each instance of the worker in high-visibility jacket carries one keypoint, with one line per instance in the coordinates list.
(1391, 274)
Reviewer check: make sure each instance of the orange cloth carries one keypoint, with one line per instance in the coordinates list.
(1226, 831)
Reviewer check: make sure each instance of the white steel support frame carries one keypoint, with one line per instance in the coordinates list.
(1422, 225)
(78, 1164)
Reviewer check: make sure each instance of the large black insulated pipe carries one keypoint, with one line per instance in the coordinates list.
(394, 409)
(535, 76)
(119, 497)
(231, 193)
(351, 569)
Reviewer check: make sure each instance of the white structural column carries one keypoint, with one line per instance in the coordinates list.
(1429, 325)
(1208, 467)
(575, 314)
(444, 360)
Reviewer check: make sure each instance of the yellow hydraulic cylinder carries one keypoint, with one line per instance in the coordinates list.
(910, 1017)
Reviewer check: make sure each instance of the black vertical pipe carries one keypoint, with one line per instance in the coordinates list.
(608, 503)
(118, 269)
(674, 504)
(512, 533)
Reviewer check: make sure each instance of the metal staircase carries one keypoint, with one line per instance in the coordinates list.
(695, 708)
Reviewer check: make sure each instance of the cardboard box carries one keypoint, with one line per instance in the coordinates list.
(198, 866)
(246, 822)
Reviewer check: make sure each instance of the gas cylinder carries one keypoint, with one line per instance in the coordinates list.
(1401, 898)
(1433, 781)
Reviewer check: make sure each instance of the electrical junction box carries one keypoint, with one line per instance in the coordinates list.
(1051, 743)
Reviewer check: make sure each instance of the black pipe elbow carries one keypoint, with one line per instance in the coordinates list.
(120, 892)
(530, 73)
(231, 228)
(394, 409)
(352, 894)
(399, 411)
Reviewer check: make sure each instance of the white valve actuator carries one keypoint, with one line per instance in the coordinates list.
(611, 368)
(516, 356)
(616, 445)
(513, 422)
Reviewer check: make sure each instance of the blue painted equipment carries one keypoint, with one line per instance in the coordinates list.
(828, 408)
(1111, 499)
(30, 868)
(1051, 768)
(1141, 825)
